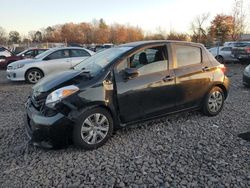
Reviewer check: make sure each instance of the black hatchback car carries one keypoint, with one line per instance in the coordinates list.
(123, 85)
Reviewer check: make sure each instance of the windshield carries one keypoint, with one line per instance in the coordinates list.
(22, 52)
(100, 60)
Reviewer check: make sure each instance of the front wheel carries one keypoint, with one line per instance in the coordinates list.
(33, 76)
(214, 102)
(93, 129)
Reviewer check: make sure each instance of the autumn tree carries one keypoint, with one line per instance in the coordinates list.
(134, 34)
(177, 36)
(157, 36)
(14, 37)
(118, 34)
(222, 27)
(101, 32)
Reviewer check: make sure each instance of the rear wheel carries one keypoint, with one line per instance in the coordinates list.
(220, 59)
(93, 129)
(214, 101)
(33, 76)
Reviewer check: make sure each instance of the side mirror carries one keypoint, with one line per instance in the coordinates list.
(131, 73)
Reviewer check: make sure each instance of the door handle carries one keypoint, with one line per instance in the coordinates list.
(168, 78)
(205, 69)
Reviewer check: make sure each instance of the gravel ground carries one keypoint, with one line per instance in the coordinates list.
(184, 150)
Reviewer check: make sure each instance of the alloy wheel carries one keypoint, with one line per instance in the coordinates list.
(95, 128)
(34, 76)
(215, 101)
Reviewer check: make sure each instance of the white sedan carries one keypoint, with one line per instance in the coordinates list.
(53, 60)
(223, 54)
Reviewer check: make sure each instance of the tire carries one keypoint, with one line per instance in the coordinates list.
(220, 59)
(32, 76)
(213, 102)
(88, 134)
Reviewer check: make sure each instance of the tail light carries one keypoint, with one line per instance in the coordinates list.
(248, 50)
(222, 68)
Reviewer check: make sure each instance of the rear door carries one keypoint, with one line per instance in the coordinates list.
(57, 61)
(193, 74)
(77, 55)
(152, 92)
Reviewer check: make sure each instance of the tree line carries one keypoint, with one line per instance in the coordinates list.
(220, 29)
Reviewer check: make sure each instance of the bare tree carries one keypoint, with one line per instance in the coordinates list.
(3, 38)
(239, 21)
(198, 27)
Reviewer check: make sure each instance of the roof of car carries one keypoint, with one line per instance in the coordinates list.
(141, 43)
(68, 48)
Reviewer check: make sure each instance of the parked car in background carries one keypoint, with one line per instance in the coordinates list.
(242, 53)
(236, 43)
(32, 52)
(4, 52)
(55, 59)
(223, 54)
(29, 53)
(246, 76)
(18, 49)
(100, 47)
(114, 88)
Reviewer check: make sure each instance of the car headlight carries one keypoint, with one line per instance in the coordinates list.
(247, 71)
(18, 66)
(59, 94)
(2, 60)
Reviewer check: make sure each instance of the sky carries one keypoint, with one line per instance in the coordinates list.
(150, 15)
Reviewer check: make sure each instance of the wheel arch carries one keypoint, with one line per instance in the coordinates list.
(36, 68)
(103, 105)
(223, 89)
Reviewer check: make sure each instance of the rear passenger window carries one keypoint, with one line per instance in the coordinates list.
(187, 55)
(60, 54)
(79, 53)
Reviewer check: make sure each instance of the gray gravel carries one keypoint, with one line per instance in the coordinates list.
(184, 150)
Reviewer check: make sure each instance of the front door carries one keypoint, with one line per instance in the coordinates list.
(152, 92)
(57, 61)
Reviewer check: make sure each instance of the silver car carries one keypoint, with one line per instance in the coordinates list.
(53, 60)
(223, 54)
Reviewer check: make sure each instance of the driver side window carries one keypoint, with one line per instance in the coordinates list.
(149, 60)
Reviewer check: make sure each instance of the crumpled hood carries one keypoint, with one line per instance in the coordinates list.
(55, 79)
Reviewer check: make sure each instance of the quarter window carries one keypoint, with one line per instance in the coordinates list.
(187, 55)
